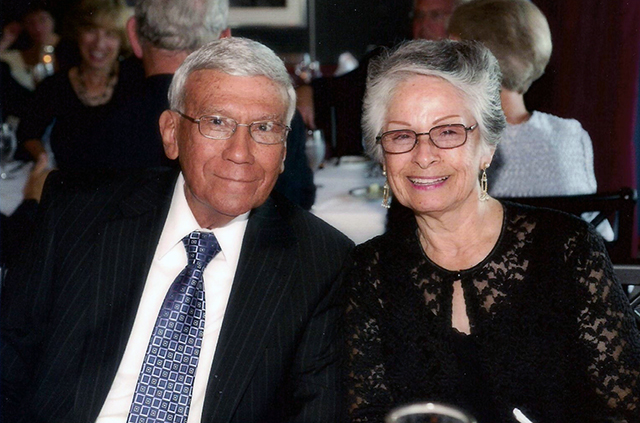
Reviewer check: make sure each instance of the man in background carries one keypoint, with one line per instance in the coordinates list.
(334, 104)
(430, 18)
(162, 33)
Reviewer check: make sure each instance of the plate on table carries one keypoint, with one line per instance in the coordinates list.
(354, 161)
(370, 192)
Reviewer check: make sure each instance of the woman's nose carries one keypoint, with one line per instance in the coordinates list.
(425, 151)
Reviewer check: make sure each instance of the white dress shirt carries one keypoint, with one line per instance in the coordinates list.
(169, 260)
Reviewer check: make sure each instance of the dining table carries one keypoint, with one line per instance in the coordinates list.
(12, 181)
(349, 197)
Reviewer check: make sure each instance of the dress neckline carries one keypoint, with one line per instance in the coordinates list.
(481, 263)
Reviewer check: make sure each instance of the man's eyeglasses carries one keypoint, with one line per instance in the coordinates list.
(267, 132)
(444, 136)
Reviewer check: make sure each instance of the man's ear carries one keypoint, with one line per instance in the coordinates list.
(168, 130)
(132, 33)
(284, 157)
(225, 33)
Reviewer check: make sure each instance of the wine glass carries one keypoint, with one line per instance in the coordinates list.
(8, 145)
(428, 412)
(315, 148)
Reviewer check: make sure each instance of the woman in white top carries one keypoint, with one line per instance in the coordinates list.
(540, 154)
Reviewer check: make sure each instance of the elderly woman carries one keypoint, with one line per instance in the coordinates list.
(485, 305)
(77, 100)
(540, 154)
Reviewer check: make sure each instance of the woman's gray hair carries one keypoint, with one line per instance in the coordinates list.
(235, 56)
(515, 31)
(468, 66)
(183, 25)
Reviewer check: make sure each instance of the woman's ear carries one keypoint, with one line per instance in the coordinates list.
(487, 157)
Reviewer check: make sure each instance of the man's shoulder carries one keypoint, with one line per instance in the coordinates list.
(305, 225)
(92, 181)
(93, 189)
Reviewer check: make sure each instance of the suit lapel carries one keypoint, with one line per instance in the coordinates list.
(125, 242)
(265, 273)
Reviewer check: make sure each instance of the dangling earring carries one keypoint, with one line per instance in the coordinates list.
(484, 196)
(386, 192)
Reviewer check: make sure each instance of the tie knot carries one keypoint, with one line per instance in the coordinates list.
(201, 247)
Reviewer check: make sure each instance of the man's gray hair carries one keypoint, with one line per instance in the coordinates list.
(234, 56)
(468, 66)
(181, 25)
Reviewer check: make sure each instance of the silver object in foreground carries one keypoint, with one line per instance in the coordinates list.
(425, 412)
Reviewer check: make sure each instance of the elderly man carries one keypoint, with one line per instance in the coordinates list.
(97, 327)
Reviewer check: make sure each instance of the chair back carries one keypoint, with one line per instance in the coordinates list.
(629, 277)
(618, 208)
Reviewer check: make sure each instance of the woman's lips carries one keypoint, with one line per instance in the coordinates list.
(427, 182)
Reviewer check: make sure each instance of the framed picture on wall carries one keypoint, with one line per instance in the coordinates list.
(273, 13)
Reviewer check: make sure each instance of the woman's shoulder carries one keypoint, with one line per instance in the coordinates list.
(544, 219)
(58, 82)
(557, 126)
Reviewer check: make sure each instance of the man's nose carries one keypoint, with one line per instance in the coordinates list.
(240, 147)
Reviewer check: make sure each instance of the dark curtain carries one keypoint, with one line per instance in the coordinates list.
(593, 77)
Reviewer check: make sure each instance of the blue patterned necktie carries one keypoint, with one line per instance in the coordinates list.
(165, 385)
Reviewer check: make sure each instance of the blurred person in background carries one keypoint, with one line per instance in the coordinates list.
(39, 26)
(162, 34)
(16, 230)
(75, 101)
(339, 99)
(541, 154)
(430, 18)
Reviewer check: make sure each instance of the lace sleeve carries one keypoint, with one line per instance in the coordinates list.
(368, 396)
(607, 328)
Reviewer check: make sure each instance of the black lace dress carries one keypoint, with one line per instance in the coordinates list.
(552, 332)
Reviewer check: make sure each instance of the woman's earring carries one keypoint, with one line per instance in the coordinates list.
(484, 196)
(386, 192)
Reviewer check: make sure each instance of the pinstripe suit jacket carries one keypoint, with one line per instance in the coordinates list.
(68, 309)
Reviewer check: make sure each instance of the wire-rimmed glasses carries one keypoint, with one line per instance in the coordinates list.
(268, 132)
(445, 137)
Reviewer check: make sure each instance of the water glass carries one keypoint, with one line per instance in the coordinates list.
(315, 148)
(8, 145)
(428, 412)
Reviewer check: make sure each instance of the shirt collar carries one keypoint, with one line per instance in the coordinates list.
(181, 222)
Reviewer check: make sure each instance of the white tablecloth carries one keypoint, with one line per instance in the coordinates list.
(360, 217)
(11, 188)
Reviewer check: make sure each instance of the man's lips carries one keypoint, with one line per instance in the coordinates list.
(237, 180)
(427, 181)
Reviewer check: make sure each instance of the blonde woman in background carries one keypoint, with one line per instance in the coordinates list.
(76, 101)
(540, 154)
